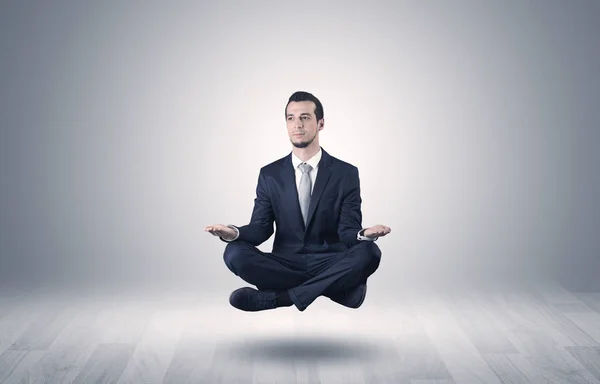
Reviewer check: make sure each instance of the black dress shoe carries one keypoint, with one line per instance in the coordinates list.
(352, 298)
(252, 300)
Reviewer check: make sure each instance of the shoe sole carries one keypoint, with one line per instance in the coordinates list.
(362, 300)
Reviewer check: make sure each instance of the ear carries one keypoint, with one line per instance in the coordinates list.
(321, 124)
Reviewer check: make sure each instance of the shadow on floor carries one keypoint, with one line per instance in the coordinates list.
(309, 349)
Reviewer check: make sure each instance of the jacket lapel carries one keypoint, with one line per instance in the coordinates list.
(322, 179)
(290, 192)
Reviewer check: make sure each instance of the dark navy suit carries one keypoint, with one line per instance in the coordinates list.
(323, 257)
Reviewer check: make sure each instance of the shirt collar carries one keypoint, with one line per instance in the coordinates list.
(313, 161)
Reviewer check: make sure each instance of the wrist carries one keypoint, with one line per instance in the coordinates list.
(233, 234)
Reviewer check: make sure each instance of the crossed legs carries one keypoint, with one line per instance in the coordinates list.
(305, 277)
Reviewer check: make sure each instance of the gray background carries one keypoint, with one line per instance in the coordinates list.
(126, 127)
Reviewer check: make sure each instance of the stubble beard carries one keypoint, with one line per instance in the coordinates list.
(304, 144)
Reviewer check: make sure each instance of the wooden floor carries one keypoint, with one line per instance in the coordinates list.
(539, 334)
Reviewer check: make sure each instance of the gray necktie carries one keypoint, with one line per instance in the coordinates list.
(304, 190)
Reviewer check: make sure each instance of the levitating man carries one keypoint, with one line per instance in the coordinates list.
(320, 247)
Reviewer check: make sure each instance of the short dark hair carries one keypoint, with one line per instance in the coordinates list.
(305, 96)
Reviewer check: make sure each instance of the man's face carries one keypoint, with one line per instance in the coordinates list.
(302, 123)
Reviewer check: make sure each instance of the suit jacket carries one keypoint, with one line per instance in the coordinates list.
(334, 216)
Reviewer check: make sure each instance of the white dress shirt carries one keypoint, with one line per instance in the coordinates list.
(314, 162)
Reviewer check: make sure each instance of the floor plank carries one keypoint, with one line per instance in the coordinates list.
(555, 294)
(536, 343)
(16, 322)
(272, 334)
(72, 348)
(411, 345)
(541, 334)
(23, 372)
(106, 364)
(306, 373)
(556, 323)
(478, 327)
(514, 369)
(589, 322)
(48, 324)
(591, 299)
(124, 322)
(9, 361)
(210, 323)
(465, 363)
(156, 347)
(588, 357)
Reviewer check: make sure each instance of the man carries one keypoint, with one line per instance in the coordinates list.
(320, 247)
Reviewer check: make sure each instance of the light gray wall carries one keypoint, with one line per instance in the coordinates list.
(127, 126)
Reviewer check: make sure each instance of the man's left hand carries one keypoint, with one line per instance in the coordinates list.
(377, 231)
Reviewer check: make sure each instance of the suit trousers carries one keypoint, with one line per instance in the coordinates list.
(304, 276)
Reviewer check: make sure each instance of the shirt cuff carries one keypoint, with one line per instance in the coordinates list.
(360, 237)
(237, 234)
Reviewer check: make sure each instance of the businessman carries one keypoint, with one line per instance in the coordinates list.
(320, 247)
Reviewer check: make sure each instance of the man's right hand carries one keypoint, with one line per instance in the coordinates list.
(222, 231)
